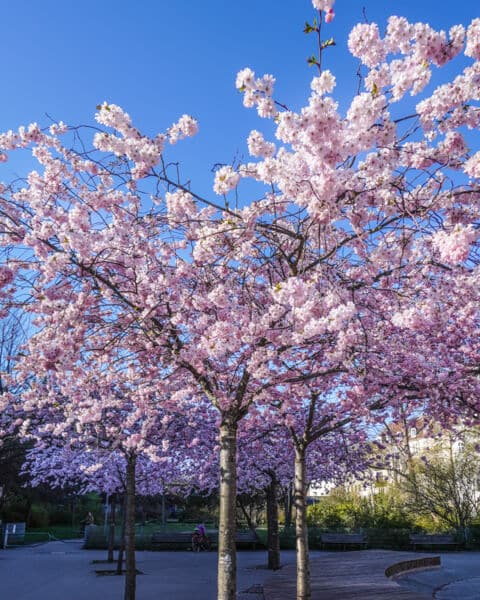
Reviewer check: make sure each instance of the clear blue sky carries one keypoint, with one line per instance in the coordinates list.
(159, 59)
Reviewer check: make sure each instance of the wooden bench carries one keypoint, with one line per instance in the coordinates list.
(181, 540)
(245, 538)
(177, 540)
(432, 540)
(343, 539)
(242, 538)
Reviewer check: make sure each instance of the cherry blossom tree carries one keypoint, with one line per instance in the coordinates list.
(368, 224)
(107, 407)
(390, 210)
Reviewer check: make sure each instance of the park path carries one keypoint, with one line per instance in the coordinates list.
(57, 571)
(356, 575)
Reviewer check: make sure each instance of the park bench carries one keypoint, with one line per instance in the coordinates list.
(432, 540)
(247, 538)
(182, 540)
(171, 540)
(343, 540)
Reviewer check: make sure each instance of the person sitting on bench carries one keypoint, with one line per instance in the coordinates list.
(200, 539)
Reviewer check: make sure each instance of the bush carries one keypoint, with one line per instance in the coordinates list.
(389, 539)
(15, 510)
(427, 524)
(60, 517)
(38, 516)
(332, 513)
(287, 537)
(12, 515)
(473, 539)
(347, 511)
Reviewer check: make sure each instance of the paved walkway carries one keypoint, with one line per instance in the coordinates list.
(63, 571)
(458, 578)
(348, 576)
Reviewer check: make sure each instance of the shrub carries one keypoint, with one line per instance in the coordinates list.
(473, 540)
(13, 515)
(38, 516)
(390, 539)
(60, 517)
(348, 511)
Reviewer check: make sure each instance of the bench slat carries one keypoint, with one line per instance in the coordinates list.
(432, 539)
(160, 538)
(343, 539)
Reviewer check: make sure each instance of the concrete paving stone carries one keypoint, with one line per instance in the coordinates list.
(63, 571)
(457, 578)
(465, 589)
(360, 575)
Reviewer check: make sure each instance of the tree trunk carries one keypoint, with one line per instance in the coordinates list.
(301, 531)
(227, 559)
(164, 514)
(130, 567)
(273, 538)
(111, 530)
(121, 549)
(288, 506)
(248, 517)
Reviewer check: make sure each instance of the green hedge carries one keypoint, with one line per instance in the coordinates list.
(97, 540)
(389, 539)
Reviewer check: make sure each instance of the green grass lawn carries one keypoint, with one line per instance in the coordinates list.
(59, 532)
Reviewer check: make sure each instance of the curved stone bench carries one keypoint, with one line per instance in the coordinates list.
(414, 564)
(359, 575)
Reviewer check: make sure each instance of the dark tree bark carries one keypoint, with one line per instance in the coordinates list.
(288, 506)
(248, 516)
(301, 530)
(121, 548)
(111, 529)
(227, 559)
(130, 567)
(273, 537)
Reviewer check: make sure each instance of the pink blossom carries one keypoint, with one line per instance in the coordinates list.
(266, 108)
(58, 128)
(257, 146)
(329, 15)
(6, 276)
(454, 246)
(226, 179)
(364, 42)
(245, 79)
(472, 48)
(472, 166)
(52, 353)
(323, 84)
(180, 205)
(113, 116)
(325, 5)
(186, 126)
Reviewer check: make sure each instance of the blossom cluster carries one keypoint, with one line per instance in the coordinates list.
(144, 152)
(226, 179)
(257, 92)
(327, 7)
(454, 246)
(186, 126)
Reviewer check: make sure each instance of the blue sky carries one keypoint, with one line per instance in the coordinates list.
(160, 59)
